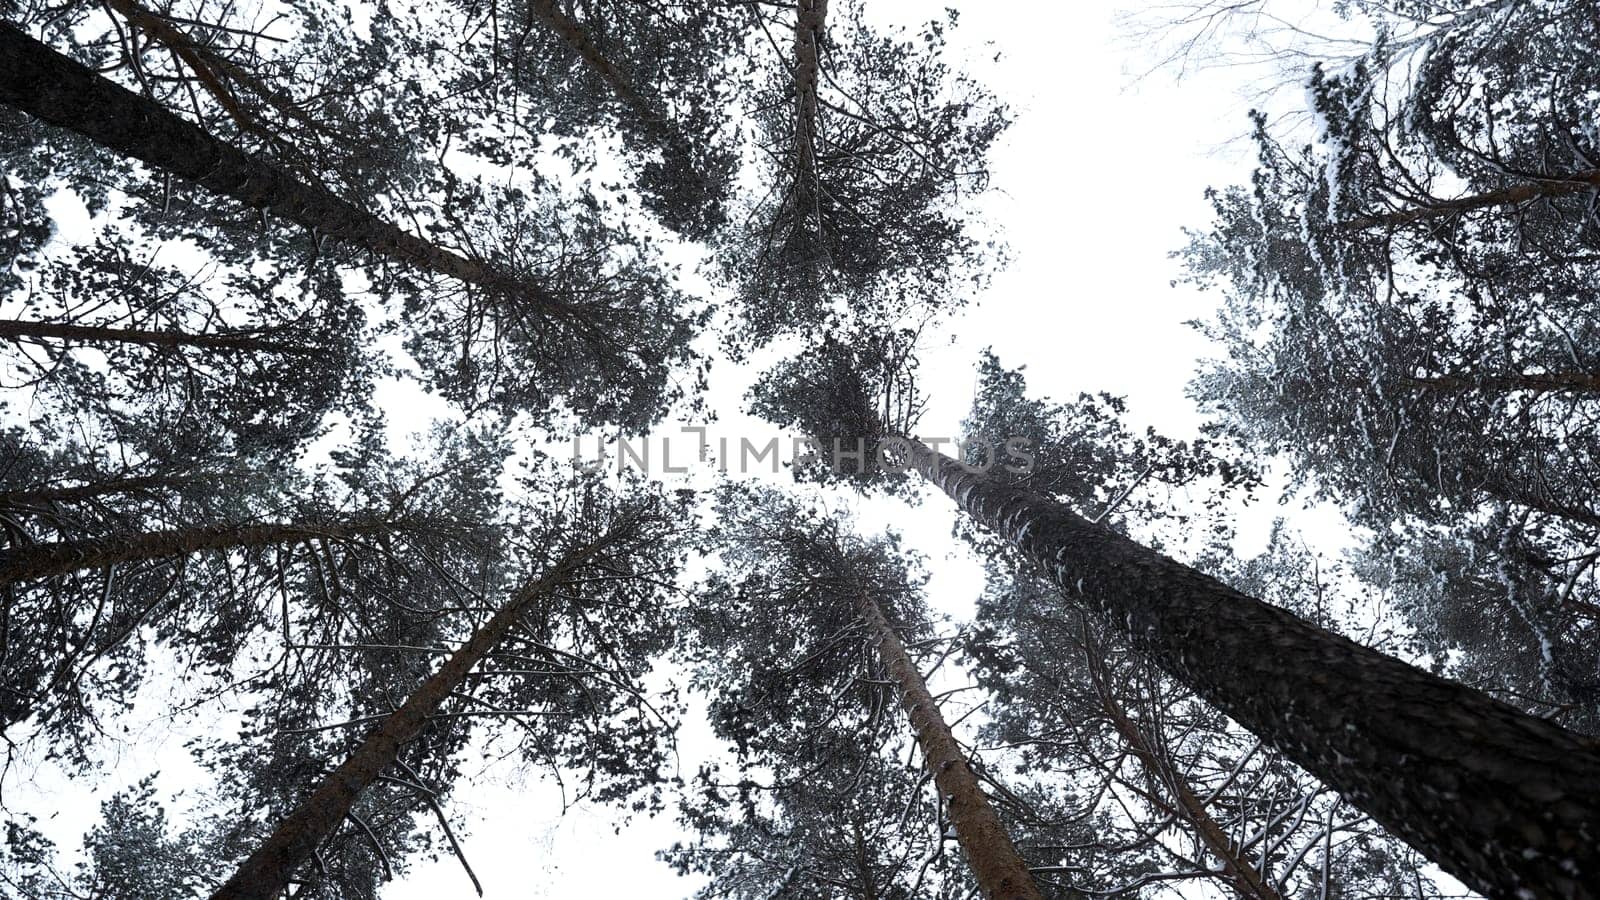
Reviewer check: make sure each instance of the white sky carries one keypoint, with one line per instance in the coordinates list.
(1092, 184)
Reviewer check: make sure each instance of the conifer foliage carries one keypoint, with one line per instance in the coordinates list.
(298, 302)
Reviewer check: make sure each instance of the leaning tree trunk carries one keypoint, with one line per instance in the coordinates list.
(240, 342)
(575, 36)
(1246, 879)
(44, 494)
(998, 867)
(1505, 801)
(34, 561)
(62, 92)
(265, 874)
(1555, 186)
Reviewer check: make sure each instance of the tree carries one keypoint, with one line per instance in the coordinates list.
(1347, 714)
(133, 851)
(268, 85)
(867, 141)
(168, 346)
(654, 72)
(45, 84)
(1175, 791)
(85, 583)
(268, 870)
(598, 340)
(793, 576)
(1405, 312)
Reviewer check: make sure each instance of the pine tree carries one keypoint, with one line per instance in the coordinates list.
(652, 72)
(866, 140)
(270, 866)
(1349, 715)
(1405, 319)
(574, 315)
(808, 614)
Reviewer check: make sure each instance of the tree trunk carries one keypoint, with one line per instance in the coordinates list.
(36, 561)
(1560, 186)
(995, 863)
(575, 36)
(17, 330)
(1246, 878)
(1502, 800)
(809, 21)
(62, 92)
(44, 493)
(265, 874)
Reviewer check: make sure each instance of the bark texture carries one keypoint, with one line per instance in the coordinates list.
(62, 92)
(14, 329)
(46, 493)
(809, 20)
(1000, 871)
(36, 561)
(1558, 186)
(265, 874)
(1505, 801)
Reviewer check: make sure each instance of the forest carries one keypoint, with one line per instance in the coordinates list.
(419, 416)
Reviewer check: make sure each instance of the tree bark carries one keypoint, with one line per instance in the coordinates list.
(1502, 800)
(62, 92)
(809, 20)
(17, 330)
(998, 867)
(1560, 186)
(1247, 879)
(45, 493)
(37, 561)
(573, 34)
(265, 874)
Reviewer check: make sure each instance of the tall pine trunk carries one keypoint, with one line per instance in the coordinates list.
(1000, 872)
(62, 92)
(243, 342)
(1557, 186)
(810, 17)
(35, 561)
(1505, 801)
(266, 873)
